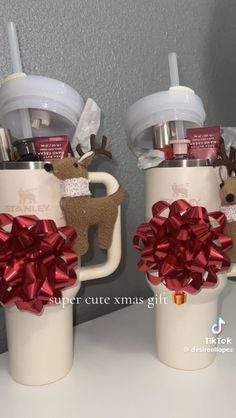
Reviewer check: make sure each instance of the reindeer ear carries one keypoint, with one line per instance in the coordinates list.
(86, 159)
(223, 172)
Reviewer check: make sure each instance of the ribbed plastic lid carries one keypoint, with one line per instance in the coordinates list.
(36, 92)
(177, 103)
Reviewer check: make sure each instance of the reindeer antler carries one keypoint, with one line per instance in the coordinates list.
(228, 161)
(101, 150)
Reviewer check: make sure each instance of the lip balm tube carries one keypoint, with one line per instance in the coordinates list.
(180, 148)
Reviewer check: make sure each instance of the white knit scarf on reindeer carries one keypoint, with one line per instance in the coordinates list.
(230, 212)
(75, 187)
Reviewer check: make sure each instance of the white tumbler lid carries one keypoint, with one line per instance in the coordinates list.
(61, 105)
(177, 103)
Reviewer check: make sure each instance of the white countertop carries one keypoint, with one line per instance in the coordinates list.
(116, 374)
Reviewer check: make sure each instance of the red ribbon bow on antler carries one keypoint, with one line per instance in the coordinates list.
(36, 261)
(184, 248)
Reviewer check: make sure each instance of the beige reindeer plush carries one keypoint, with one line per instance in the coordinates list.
(228, 192)
(79, 208)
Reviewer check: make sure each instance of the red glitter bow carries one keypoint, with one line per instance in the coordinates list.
(36, 261)
(184, 248)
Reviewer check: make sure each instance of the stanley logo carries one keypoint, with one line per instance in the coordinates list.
(27, 203)
(181, 191)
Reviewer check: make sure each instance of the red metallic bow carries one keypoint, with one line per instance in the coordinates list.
(184, 248)
(36, 261)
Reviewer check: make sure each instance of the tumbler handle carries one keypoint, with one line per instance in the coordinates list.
(98, 271)
(232, 271)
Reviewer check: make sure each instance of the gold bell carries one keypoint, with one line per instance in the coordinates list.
(179, 298)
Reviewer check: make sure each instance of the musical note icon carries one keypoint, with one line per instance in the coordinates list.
(218, 327)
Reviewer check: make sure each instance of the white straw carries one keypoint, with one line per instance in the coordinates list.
(173, 67)
(17, 68)
(174, 81)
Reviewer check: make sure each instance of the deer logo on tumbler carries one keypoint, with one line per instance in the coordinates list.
(180, 190)
(26, 196)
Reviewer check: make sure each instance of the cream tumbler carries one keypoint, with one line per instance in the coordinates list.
(41, 346)
(182, 331)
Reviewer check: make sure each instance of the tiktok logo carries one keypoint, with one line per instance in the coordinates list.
(217, 328)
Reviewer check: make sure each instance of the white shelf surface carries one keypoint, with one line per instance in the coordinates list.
(116, 374)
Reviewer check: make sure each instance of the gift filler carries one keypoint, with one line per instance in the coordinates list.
(51, 148)
(204, 142)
